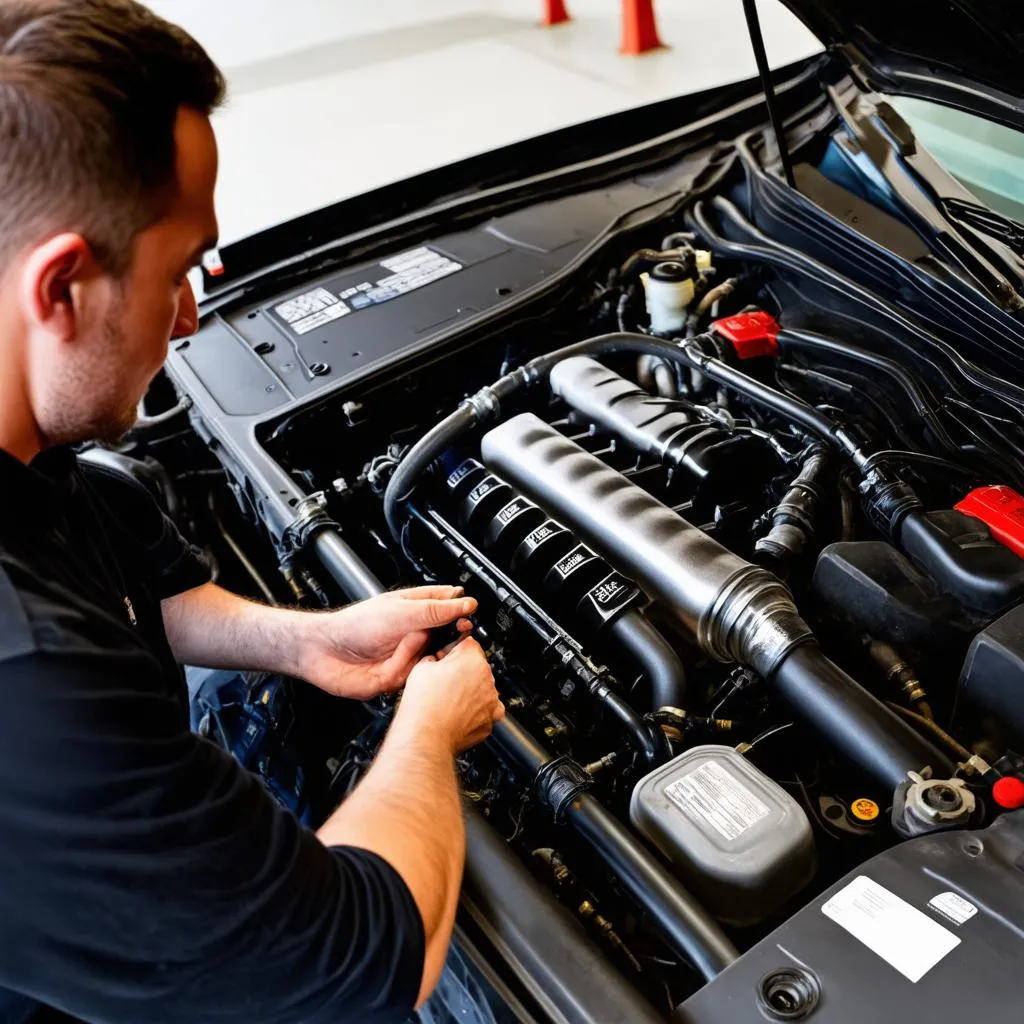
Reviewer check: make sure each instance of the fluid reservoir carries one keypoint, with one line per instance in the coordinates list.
(737, 839)
(668, 289)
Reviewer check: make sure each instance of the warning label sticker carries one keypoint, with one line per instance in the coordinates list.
(903, 936)
(712, 795)
(310, 310)
(397, 275)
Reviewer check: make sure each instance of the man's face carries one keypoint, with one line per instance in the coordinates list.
(123, 327)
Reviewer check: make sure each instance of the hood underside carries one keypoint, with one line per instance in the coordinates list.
(976, 42)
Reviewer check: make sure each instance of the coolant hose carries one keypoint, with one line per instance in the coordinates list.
(854, 721)
(682, 921)
(649, 741)
(806, 416)
(421, 455)
(654, 656)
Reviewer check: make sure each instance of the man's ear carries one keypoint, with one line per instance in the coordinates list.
(47, 283)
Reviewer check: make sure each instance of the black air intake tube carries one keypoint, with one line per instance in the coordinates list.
(734, 610)
(856, 723)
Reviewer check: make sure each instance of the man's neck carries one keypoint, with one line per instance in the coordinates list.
(19, 432)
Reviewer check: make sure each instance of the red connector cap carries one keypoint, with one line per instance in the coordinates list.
(750, 334)
(1001, 509)
(1008, 792)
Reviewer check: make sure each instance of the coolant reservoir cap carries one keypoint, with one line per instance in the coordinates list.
(1008, 792)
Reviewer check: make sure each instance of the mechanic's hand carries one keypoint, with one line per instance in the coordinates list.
(453, 693)
(370, 648)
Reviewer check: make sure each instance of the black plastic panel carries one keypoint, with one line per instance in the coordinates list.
(496, 261)
(978, 980)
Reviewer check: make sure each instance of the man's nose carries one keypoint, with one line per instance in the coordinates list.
(187, 320)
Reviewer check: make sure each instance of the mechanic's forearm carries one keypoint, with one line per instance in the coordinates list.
(407, 810)
(212, 627)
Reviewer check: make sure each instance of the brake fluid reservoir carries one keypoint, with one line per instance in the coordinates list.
(740, 842)
(668, 289)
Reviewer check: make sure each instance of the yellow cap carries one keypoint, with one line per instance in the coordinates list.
(864, 809)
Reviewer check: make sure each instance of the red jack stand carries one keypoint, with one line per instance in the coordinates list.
(639, 30)
(554, 13)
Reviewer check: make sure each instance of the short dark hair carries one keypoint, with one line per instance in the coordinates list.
(89, 97)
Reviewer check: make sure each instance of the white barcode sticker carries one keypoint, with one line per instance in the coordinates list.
(712, 794)
(953, 906)
(903, 936)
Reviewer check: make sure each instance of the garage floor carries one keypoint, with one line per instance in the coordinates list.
(330, 98)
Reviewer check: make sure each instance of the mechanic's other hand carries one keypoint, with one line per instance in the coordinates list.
(454, 695)
(370, 648)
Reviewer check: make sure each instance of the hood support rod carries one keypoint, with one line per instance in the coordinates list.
(757, 43)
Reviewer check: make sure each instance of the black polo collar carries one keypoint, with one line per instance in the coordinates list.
(34, 493)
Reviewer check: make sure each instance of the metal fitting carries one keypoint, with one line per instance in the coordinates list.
(311, 516)
(485, 405)
(753, 620)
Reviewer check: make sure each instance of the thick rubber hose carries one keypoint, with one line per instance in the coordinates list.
(563, 969)
(654, 656)
(853, 721)
(421, 455)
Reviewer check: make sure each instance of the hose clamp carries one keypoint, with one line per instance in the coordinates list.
(559, 782)
(485, 405)
(311, 516)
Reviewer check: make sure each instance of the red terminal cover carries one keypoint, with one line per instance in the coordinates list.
(750, 334)
(1001, 509)
(1008, 792)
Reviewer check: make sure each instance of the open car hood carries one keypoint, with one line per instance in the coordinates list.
(964, 52)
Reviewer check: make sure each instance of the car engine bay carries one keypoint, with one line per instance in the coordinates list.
(735, 474)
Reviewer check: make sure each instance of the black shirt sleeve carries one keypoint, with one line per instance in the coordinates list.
(145, 876)
(145, 535)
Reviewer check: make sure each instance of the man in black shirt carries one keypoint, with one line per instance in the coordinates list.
(143, 875)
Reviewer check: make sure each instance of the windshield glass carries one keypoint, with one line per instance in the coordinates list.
(329, 100)
(987, 158)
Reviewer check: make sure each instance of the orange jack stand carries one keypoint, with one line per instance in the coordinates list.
(639, 30)
(554, 12)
